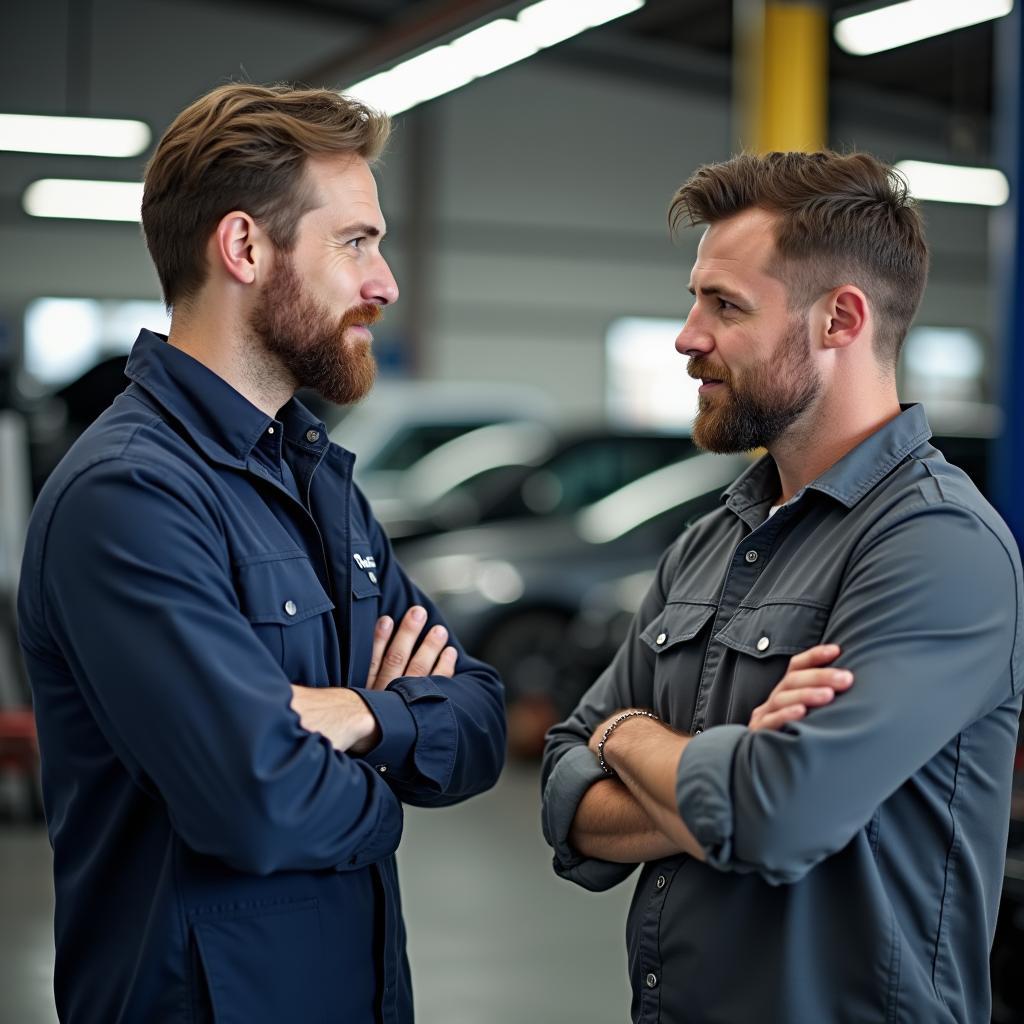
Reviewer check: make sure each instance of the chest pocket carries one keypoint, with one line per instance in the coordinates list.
(762, 640)
(286, 605)
(679, 637)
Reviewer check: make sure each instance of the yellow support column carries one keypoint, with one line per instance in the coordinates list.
(781, 80)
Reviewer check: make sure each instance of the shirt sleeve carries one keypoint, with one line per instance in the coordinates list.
(570, 768)
(927, 619)
(442, 739)
(139, 597)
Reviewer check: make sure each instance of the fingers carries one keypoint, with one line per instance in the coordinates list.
(835, 678)
(396, 653)
(802, 689)
(428, 652)
(822, 654)
(381, 635)
(777, 719)
(446, 663)
(395, 658)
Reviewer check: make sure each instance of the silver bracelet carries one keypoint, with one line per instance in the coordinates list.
(611, 728)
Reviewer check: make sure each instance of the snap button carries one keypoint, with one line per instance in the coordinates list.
(290, 608)
(751, 557)
(652, 980)
(270, 430)
(312, 436)
(660, 883)
(372, 576)
(762, 644)
(661, 638)
(382, 768)
(697, 732)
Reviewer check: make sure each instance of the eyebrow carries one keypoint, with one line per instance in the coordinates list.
(359, 229)
(721, 291)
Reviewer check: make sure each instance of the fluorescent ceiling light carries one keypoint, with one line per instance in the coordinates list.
(946, 183)
(911, 20)
(551, 21)
(84, 200)
(76, 136)
(492, 47)
(485, 50)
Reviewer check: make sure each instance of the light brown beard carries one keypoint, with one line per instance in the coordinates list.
(309, 341)
(742, 416)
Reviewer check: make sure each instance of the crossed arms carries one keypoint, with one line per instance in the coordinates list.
(634, 818)
(925, 620)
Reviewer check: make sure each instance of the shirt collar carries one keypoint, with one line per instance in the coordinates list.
(849, 479)
(225, 425)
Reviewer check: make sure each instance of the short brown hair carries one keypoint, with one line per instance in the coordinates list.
(243, 147)
(841, 218)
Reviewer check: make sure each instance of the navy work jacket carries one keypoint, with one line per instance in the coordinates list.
(214, 861)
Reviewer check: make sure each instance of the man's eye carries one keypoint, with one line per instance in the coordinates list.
(725, 304)
(357, 243)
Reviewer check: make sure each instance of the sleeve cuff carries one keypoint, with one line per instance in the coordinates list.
(437, 731)
(704, 791)
(397, 731)
(571, 777)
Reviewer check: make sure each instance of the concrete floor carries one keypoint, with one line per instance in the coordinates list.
(494, 936)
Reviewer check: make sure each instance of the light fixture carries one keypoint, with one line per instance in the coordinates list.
(84, 200)
(485, 50)
(74, 136)
(947, 183)
(907, 22)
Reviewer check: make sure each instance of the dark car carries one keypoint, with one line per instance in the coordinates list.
(521, 470)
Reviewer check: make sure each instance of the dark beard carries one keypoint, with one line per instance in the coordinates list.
(755, 415)
(309, 341)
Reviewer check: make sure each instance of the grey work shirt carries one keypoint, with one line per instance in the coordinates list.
(854, 859)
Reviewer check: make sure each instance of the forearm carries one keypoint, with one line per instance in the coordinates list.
(645, 756)
(610, 824)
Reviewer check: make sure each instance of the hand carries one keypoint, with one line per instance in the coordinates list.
(394, 656)
(805, 685)
(338, 713)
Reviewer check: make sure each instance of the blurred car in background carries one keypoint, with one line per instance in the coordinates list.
(511, 590)
(521, 470)
(400, 421)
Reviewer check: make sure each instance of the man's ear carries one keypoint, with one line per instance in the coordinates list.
(847, 316)
(238, 246)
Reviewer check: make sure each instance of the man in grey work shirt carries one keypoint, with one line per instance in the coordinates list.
(822, 828)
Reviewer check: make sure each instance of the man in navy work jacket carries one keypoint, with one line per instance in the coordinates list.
(236, 685)
(807, 738)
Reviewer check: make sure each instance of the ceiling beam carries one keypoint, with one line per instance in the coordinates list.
(424, 25)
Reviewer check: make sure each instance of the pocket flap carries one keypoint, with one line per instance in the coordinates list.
(363, 586)
(676, 623)
(283, 590)
(773, 629)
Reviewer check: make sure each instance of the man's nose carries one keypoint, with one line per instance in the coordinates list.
(693, 340)
(380, 286)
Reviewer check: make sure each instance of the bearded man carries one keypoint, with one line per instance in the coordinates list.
(236, 686)
(807, 738)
